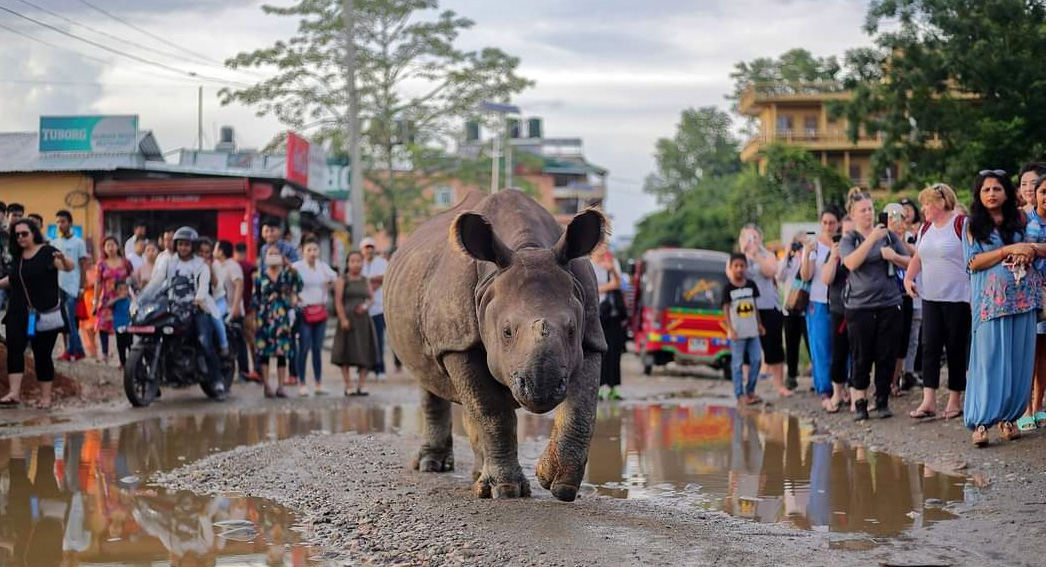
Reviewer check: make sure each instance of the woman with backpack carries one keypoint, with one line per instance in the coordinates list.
(945, 292)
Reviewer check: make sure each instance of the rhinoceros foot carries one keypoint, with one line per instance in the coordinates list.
(512, 484)
(432, 460)
(553, 476)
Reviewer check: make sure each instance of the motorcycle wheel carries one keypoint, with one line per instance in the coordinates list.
(141, 390)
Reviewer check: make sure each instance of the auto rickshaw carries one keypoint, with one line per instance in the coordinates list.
(678, 313)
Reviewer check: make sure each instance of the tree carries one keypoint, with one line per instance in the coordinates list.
(953, 86)
(704, 147)
(415, 85)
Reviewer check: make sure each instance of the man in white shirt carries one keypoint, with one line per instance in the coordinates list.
(166, 246)
(72, 283)
(139, 234)
(374, 267)
(186, 263)
(136, 257)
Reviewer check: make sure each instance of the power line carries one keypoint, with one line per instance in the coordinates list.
(148, 33)
(96, 84)
(104, 47)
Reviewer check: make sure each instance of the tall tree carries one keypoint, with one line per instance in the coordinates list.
(415, 85)
(953, 86)
(704, 147)
(793, 66)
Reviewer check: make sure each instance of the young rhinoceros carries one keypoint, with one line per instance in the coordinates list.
(492, 305)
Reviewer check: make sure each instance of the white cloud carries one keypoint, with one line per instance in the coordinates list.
(616, 73)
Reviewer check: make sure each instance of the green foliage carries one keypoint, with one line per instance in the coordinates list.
(414, 84)
(704, 147)
(793, 66)
(954, 86)
(707, 204)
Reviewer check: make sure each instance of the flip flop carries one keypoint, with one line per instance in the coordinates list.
(952, 414)
(922, 414)
(1026, 423)
(10, 404)
(1040, 418)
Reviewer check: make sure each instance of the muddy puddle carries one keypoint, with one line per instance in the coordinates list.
(81, 498)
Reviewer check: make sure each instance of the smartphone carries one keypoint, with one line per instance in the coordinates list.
(884, 218)
(837, 238)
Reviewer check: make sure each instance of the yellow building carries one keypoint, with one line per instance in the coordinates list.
(796, 114)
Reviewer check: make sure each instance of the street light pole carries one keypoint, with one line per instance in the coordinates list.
(355, 200)
(495, 155)
(500, 110)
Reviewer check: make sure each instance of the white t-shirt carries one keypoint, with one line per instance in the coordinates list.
(376, 267)
(195, 268)
(135, 260)
(314, 282)
(603, 276)
(228, 273)
(819, 291)
(943, 265)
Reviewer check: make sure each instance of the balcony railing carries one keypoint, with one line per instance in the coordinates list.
(812, 135)
(768, 91)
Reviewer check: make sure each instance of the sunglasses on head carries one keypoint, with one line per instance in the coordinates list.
(860, 197)
(995, 172)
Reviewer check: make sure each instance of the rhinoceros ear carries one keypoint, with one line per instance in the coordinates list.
(473, 235)
(585, 231)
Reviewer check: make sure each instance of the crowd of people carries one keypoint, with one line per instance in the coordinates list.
(54, 287)
(884, 301)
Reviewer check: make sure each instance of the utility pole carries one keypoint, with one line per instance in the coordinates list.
(508, 157)
(199, 120)
(820, 196)
(495, 155)
(356, 184)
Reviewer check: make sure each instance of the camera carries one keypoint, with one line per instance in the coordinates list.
(837, 238)
(797, 246)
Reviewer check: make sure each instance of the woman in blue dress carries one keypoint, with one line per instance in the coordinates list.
(1007, 292)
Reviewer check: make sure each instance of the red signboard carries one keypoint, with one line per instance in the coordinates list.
(297, 159)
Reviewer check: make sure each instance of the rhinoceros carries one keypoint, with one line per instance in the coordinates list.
(493, 306)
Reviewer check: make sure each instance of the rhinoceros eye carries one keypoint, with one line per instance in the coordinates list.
(570, 331)
(507, 332)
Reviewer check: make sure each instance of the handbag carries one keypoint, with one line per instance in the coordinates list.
(612, 308)
(798, 297)
(43, 321)
(315, 313)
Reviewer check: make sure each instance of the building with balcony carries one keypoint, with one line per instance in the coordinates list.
(796, 114)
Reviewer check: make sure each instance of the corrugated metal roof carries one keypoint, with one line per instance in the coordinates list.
(19, 154)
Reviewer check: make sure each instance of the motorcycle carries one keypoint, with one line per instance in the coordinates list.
(165, 351)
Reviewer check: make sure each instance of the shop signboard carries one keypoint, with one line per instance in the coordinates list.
(89, 134)
(306, 163)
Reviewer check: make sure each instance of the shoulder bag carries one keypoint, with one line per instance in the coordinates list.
(43, 321)
(798, 294)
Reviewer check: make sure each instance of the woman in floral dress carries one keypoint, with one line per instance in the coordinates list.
(111, 269)
(275, 294)
(1006, 295)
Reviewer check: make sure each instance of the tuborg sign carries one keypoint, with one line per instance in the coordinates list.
(89, 134)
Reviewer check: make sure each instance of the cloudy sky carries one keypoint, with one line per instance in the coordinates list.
(616, 73)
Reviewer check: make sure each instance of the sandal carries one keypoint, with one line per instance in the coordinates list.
(350, 393)
(10, 403)
(1009, 431)
(361, 392)
(980, 436)
(1040, 418)
(920, 413)
(1026, 423)
(280, 393)
(952, 414)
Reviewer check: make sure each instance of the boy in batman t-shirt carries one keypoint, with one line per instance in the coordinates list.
(743, 327)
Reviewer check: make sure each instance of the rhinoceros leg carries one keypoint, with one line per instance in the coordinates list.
(476, 439)
(491, 411)
(562, 465)
(437, 452)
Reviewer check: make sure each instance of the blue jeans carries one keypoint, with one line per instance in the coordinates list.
(738, 349)
(205, 336)
(311, 339)
(379, 336)
(73, 345)
(219, 325)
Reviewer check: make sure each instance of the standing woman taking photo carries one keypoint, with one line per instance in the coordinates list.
(794, 322)
(818, 316)
(833, 275)
(872, 254)
(762, 267)
(34, 311)
(1007, 292)
(945, 291)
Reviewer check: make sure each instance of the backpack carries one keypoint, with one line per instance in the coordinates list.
(956, 223)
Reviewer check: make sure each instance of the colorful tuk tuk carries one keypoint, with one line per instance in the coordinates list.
(678, 313)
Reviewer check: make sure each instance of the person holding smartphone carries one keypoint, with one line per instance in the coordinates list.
(762, 267)
(872, 254)
(818, 315)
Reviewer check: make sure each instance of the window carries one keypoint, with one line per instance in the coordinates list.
(810, 125)
(785, 124)
(855, 173)
(443, 196)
